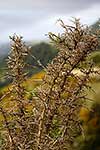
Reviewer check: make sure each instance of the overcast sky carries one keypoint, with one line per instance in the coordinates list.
(35, 18)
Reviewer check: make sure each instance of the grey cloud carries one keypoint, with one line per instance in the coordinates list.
(27, 15)
(68, 6)
(48, 5)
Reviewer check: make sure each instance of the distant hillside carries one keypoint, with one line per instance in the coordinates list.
(95, 26)
(4, 49)
(42, 51)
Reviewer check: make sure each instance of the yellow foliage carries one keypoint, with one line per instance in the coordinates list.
(11, 105)
(34, 81)
(84, 114)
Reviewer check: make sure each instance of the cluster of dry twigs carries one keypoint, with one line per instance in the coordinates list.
(53, 123)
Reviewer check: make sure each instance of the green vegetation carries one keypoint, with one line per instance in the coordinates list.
(43, 52)
(95, 56)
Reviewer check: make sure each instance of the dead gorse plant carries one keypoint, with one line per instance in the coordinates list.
(18, 122)
(53, 122)
(62, 91)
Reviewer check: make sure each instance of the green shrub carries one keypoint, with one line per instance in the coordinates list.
(95, 56)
